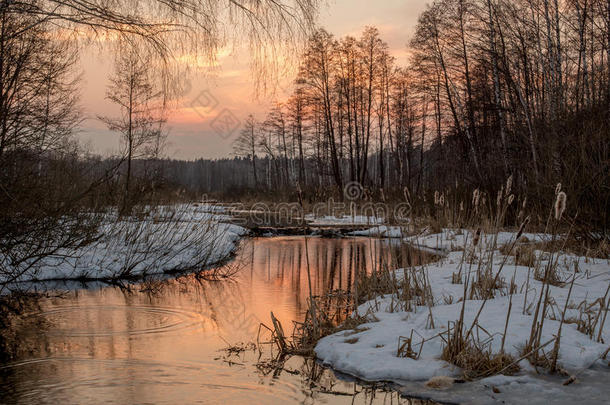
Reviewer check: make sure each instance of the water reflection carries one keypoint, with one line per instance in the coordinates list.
(161, 341)
(276, 270)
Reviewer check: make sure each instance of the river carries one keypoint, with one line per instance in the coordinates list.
(164, 341)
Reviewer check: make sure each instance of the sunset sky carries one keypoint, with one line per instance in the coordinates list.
(229, 90)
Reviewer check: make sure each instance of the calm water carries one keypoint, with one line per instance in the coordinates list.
(163, 341)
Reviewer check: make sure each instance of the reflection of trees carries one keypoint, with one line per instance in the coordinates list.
(335, 263)
(318, 382)
(229, 306)
(20, 337)
(16, 333)
(222, 302)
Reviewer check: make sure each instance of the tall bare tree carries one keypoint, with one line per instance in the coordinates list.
(142, 110)
(245, 145)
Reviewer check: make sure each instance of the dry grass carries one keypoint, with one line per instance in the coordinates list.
(407, 292)
(549, 274)
(575, 245)
(477, 362)
(524, 251)
(485, 286)
(525, 254)
(474, 356)
(332, 316)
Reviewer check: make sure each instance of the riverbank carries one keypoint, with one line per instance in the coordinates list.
(410, 333)
(160, 240)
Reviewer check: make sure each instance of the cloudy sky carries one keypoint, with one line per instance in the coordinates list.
(207, 119)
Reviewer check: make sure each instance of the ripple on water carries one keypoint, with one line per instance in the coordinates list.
(111, 320)
(89, 380)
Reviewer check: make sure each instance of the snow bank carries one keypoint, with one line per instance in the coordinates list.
(174, 238)
(381, 231)
(449, 240)
(343, 220)
(370, 351)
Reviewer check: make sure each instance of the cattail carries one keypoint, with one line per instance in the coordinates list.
(511, 199)
(461, 205)
(407, 195)
(522, 227)
(509, 184)
(560, 205)
(524, 202)
(558, 188)
(477, 236)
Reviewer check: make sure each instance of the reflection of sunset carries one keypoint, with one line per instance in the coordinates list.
(162, 337)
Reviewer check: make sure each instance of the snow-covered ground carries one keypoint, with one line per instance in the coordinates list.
(370, 352)
(446, 241)
(451, 239)
(381, 231)
(330, 220)
(170, 238)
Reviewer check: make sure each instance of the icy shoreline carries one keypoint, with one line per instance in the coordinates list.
(167, 239)
(370, 351)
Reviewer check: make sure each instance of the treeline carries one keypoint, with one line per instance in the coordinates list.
(494, 88)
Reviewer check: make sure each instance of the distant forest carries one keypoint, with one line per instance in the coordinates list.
(493, 89)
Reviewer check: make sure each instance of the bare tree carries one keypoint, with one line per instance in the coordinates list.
(513, 87)
(246, 143)
(42, 179)
(174, 28)
(38, 99)
(142, 110)
(317, 70)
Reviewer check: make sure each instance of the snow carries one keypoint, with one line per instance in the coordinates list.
(329, 220)
(446, 241)
(370, 351)
(381, 231)
(591, 387)
(169, 238)
(451, 239)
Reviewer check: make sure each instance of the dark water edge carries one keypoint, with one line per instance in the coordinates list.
(162, 340)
